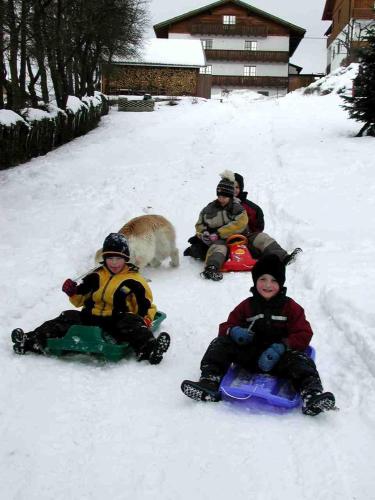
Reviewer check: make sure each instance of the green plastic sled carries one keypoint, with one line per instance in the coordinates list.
(93, 340)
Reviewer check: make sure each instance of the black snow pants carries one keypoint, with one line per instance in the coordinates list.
(126, 327)
(294, 366)
(197, 249)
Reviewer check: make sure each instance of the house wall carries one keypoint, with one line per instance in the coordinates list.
(269, 91)
(150, 79)
(276, 43)
(299, 81)
(216, 17)
(337, 51)
(237, 69)
(346, 13)
(345, 10)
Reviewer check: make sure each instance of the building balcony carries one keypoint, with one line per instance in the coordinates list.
(250, 81)
(363, 13)
(229, 30)
(247, 55)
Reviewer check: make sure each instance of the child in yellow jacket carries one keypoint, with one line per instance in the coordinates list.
(114, 297)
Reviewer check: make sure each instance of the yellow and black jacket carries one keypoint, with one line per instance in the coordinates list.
(104, 294)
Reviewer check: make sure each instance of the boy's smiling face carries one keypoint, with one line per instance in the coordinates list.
(115, 264)
(267, 286)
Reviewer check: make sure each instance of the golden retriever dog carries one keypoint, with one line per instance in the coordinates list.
(151, 239)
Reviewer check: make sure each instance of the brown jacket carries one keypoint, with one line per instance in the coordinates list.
(228, 220)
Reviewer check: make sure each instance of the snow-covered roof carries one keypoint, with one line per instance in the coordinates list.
(168, 52)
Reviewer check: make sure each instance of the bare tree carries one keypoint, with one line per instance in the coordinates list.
(64, 41)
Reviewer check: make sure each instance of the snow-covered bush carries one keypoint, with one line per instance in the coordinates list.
(34, 132)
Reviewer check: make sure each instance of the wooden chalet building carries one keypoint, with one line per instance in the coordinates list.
(245, 47)
(349, 20)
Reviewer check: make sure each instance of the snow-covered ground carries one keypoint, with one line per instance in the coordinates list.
(86, 429)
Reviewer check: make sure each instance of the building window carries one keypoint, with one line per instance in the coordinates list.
(229, 19)
(206, 70)
(250, 45)
(249, 71)
(207, 44)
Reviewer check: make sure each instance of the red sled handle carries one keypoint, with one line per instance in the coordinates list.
(236, 239)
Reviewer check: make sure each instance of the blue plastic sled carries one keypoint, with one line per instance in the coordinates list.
(259, 389)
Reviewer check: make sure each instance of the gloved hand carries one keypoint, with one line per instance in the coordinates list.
(214, 237)
(241, 335)
(69, 287)
(271, 356)
(206, 238)
(148, 321)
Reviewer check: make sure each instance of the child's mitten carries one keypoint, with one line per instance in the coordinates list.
(69, 287)
(241, 335)
(214, 237)
(271, 356)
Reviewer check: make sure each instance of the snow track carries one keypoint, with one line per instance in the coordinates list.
(83, 428)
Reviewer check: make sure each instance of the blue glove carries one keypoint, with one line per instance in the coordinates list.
(271, 356)
(241, 335)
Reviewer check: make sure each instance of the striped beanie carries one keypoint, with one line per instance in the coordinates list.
(226, 185)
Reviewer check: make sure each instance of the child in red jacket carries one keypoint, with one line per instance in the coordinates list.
(267, 332)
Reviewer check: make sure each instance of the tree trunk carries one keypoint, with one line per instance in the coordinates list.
(40, 49)
(2, 64)
(17, 102)
(22, 58)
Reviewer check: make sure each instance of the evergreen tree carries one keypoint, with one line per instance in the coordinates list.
(361, 105)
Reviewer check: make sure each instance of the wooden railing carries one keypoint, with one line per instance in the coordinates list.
(228, 29)
(363, 4)
(363, 13)
(247, 55)
(250, 81)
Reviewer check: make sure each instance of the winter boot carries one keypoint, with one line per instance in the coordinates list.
(160, 346)
(314, 402)
(291, 257)
(207, 389)
(212, 273)
(24, 342)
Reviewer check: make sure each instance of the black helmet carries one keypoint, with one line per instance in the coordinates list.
(116, 244)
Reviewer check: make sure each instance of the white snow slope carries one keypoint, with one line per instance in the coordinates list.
(82, 428)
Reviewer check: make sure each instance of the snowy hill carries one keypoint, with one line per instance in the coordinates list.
(86, 429)
(339, 81)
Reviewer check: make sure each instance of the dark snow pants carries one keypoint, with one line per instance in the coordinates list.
(294, 366)
(263, 244)
(126, 327)
(213, 255)
(197, 249)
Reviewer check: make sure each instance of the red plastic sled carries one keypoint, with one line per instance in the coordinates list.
(240, 258)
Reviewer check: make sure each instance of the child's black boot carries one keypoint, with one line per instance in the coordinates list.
(24, 342)
(212, 273)
(207, 389)
(160, 346)
(291, 257)
(154, 349)
(314, 402)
